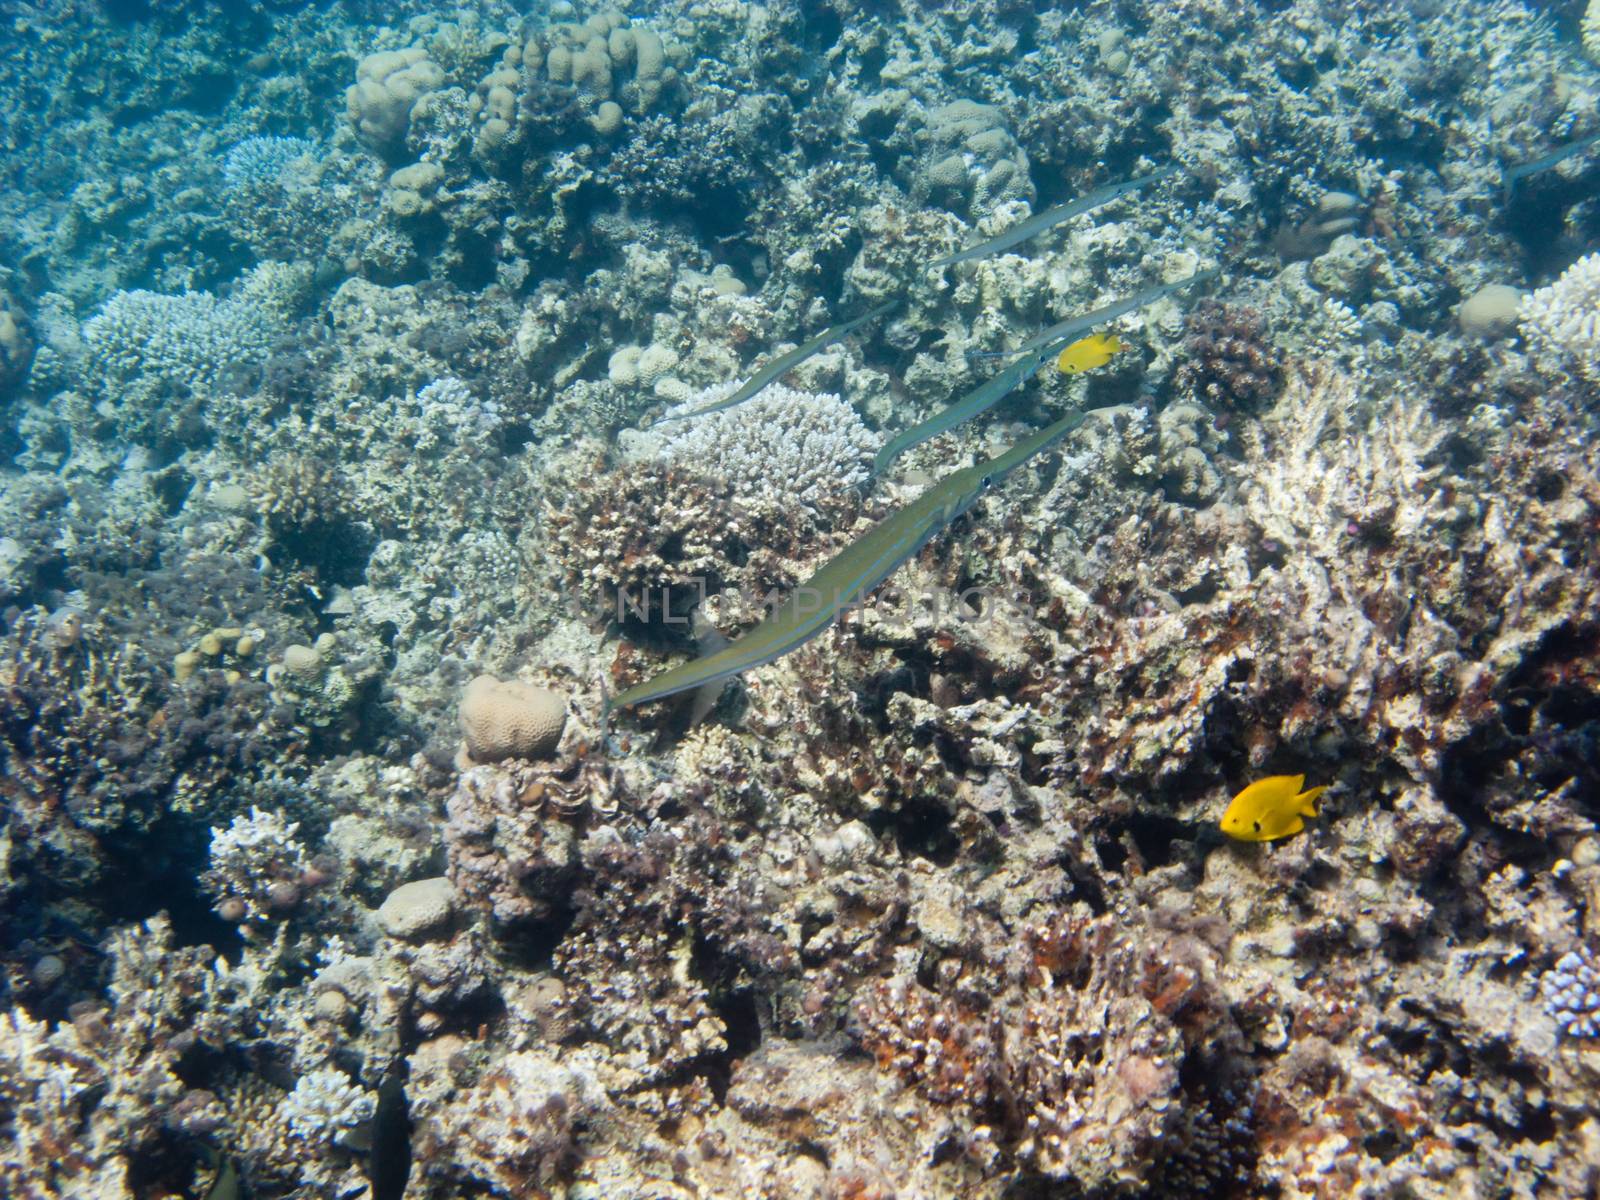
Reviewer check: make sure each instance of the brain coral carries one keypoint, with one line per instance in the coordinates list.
(510, 719)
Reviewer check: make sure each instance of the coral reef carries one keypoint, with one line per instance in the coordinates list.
(1559, 323)
(1080, 1076)
(327, 525)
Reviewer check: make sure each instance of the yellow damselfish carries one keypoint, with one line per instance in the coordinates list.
(1089, 352)
(1271, 808)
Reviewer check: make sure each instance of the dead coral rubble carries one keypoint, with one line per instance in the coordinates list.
(1099, 1066)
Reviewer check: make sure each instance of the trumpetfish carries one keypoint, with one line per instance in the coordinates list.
(851, 574)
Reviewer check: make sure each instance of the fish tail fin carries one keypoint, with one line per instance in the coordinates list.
(605, 713)
(1308, 800)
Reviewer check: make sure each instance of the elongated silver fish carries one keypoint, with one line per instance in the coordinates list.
(1510, 176)
(780, 365)
(1028, 358)
(850, 575)
(1051, 217)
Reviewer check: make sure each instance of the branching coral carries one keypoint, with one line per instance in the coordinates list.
(650, 543)
(1561, 322)
(163, 1002)
(1077, 1073)
(189, 342)
(326, 1106)
(1571, 993)
(256, 867)
(100, 747)
(1230, 365)
(782, 449)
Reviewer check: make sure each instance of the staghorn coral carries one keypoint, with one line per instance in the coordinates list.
(1364, 595)
(301, 497)
(663, 931)
(259, 162)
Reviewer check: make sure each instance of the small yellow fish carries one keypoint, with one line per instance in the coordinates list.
(1270, 808)
(1090, 352)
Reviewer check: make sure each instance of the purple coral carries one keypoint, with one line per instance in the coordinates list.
(1571, 993)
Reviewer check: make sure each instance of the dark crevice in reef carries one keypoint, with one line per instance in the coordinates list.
(1086, 880)
(531, 945)
(1550, 721)
(144, 884)
(1536, 215)
(921, 829)
(1160, 839)
(741, 1021)
(337, 551)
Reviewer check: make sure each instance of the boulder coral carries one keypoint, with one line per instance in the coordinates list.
(503, 719)
(387, 87)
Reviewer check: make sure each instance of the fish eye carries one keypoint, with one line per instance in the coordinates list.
(1256, 825)
(986, 482)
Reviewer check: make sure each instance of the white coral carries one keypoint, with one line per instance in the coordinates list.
(448, 413)
(1337, 459)
(325, 1106)
(193, 339)
(1561, 323)
(783, 446)
(250, 856)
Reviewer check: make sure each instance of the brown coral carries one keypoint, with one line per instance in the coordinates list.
(1228, 362)
(1076, 1072)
